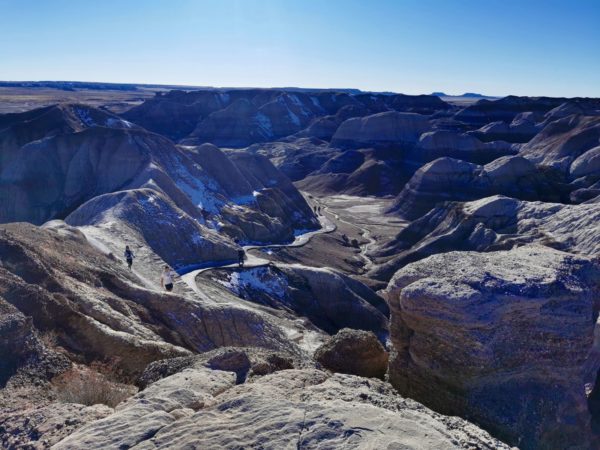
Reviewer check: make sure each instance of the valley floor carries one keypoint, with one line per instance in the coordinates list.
(358, 218)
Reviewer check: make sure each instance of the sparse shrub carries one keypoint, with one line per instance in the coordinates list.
(49, 338)
(87, 386)
(354, 243)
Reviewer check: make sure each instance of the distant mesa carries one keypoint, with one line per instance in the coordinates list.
(465, 95)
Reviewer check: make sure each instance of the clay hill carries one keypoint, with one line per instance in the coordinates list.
(418, 273)
(79, 164)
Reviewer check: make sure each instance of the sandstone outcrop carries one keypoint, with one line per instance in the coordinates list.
(505, 338)
(435, 144)
(383, 129)
(492, 223)
(245, 362)
(521, 130)
(354, 352)
(203, 408)
(448, 179)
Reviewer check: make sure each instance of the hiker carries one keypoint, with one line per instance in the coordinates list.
(319, 209)
(315, 208)
(128, 256)
(241, 257)
(166, 279)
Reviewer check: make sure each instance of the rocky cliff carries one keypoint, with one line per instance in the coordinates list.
(505, 338)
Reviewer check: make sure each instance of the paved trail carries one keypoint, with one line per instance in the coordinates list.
(327, 226)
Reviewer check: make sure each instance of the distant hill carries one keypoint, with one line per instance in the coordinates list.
(465, 95)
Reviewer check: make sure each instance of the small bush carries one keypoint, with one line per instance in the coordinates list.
(49, 339)
(89, 387)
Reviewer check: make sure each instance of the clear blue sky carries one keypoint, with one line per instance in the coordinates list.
(497, 47)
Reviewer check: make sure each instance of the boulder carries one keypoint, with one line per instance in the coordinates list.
(244, 361)
(473, 332)
(353, 352)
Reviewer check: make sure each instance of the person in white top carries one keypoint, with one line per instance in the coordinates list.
(166, 279)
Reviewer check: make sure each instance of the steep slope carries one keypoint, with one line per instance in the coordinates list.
(50, 178)
(329, 299)
(95, 306)
(570, 146)
(18, 129)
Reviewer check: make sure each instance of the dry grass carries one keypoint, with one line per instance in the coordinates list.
(91, 386)
(49, 339)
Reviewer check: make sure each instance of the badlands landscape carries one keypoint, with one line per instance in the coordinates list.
(421, 272)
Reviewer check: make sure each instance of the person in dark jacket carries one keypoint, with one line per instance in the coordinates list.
(128, 256)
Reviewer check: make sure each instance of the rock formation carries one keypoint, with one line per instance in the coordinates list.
(354, 352)
(200, 407)
(435, 144)
(99, 310)
(448, 179)
(522, 128)
(491, 223)
(383, 129)
(328, 299)
(488, 254)
(51, 178)
(504, 338)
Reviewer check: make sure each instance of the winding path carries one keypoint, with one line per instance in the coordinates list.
(327, 226)
(364, 232)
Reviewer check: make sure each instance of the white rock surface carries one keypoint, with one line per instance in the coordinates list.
(199, 408)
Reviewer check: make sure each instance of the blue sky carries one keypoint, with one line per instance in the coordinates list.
(497, 47)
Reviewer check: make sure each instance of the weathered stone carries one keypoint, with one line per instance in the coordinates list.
(354, 352)
(285, 410)
(504, 338)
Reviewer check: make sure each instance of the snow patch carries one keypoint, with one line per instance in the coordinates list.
(224, 96)
(293, 117)
(112, 122)
(84, 116)
(316, 102)
(260, 279)
(197, 190)
(295, 100)
(264, 124)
